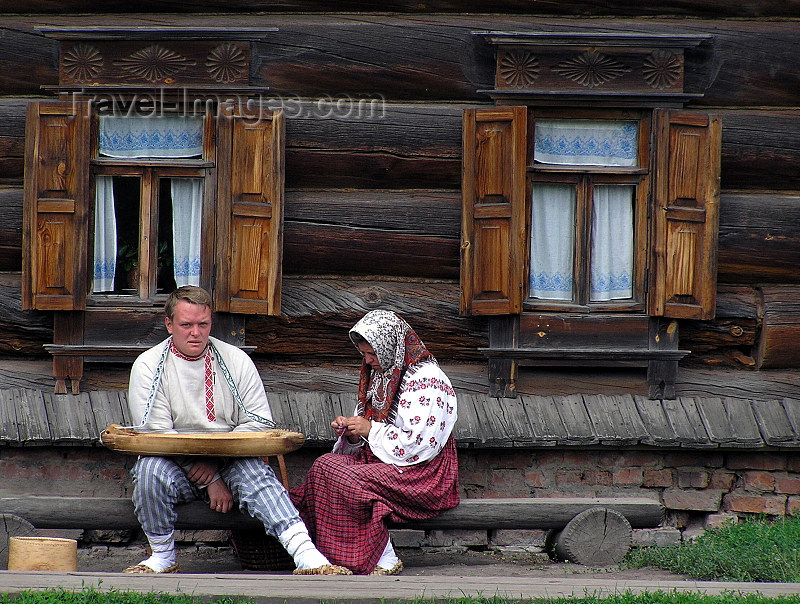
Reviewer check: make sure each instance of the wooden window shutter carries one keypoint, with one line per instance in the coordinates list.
(686, 215)
(493, 211)
(249, 214)
(55, 223)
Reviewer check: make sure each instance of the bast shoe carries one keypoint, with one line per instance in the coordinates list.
(395, 570)
(325, 569)
(143, 569)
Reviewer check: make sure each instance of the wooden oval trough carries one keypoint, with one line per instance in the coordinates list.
(224, 444)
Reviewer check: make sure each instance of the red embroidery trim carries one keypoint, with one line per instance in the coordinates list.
(209, 377)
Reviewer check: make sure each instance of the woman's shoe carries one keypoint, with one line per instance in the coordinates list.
(395, 570)
(325, 569)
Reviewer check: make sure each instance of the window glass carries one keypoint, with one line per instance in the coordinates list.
(186, 211)
(586, 142)
(160, 136)
(612, 242)
(116, 233)
(118, 216)
(552, 241)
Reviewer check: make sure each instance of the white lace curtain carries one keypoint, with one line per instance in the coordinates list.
(105, 235)
(612, 243)
(187, 210)
(151, 136)
(586, 142)
(553, 242)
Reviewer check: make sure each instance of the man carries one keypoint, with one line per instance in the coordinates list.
(192, 382)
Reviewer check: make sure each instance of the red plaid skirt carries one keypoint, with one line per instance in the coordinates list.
(346, 499)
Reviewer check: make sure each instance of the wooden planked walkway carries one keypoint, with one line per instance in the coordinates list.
(269, 588)
(37, 418)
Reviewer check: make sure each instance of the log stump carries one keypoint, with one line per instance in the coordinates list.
(595, 537)
(12, 526)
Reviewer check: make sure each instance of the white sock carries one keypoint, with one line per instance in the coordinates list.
(388, 557)
(297, 542)
(163, 548)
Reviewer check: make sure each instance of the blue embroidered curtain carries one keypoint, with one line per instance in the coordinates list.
(151, 136)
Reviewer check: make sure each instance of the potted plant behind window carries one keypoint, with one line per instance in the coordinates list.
(128, 261)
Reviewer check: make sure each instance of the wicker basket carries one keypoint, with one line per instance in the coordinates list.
(259, 551)
(42, 553)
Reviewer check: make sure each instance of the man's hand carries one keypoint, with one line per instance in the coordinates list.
(220, 497)
(203, 472)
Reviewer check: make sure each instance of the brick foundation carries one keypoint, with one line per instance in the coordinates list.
(697, 488)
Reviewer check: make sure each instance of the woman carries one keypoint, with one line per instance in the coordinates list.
(395, 459)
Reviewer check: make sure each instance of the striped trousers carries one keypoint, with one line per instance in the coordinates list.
(159, 484)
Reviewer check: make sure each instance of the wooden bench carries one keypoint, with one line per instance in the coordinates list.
(591, 531)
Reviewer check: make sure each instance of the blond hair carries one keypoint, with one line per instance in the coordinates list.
(188, 293)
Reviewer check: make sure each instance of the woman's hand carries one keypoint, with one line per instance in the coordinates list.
(339, 425)
(353, 428)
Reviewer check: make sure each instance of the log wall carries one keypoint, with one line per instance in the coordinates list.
(373, 191)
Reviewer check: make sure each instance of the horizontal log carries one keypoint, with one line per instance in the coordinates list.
(314, 55)
(555, 356)
(760, 149)
(695, 381)
(24, 332)
(780, 328)
(349, 231)
(719, 8)
(325, 249)
(413, 146)
(524, 513)
(317, 312)
(431, 213)
(12, 139)
(759, 238)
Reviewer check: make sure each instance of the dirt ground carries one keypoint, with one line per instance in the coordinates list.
(223, 560)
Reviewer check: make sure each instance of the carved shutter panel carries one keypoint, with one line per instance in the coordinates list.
(493, 211)
(55, 222)
(686, 215)
(249, 213)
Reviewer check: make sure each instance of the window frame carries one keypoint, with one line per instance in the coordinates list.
(584, 178)
(150, 171)
(683, 212)
(149, 191)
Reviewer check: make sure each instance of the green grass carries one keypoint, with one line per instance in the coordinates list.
(755, 550)
(658, 597)
(91, 596)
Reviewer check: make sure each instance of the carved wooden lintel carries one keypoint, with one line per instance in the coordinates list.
(154, 62)
(554, 67)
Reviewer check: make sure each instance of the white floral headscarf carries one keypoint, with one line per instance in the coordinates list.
(397, 347)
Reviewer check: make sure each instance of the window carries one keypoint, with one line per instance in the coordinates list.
(587, 199)
(148, 220)
(576, 211)
(121, 209)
